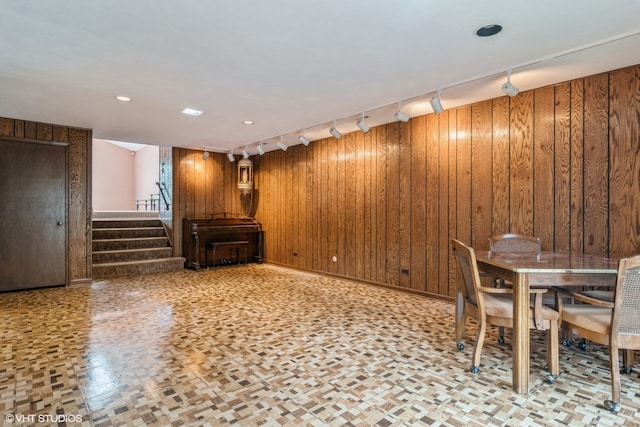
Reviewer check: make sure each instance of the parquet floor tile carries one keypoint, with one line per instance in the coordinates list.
(261, 345)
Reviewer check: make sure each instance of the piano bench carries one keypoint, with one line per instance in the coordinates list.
(237, 245)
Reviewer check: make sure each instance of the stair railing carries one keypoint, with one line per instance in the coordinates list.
(164, 197)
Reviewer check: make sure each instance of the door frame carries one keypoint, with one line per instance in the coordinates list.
(67, 191)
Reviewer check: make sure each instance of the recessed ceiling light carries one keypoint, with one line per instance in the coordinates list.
(191, 112)
(488, 30)
(249, 122)
(123, 98)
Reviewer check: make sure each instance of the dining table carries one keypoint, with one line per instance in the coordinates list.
(536, 270)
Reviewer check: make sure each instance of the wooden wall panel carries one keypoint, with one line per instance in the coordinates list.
(368, 251)
(359, 161)
(418, 203)
(521, 164)
(552, 162)
(443, 203)
(562, 170)
(392, 207)
(303, 213)
(381, 204)
(543, 166)
(576, 171)
(624, 145)
(340, 211)
(501, 167)
(404, 221)
(596, 164)
(432, 184)
(481, 173)
(316, 209)
(351, 185)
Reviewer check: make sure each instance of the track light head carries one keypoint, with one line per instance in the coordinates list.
(509, 89)
(260, 149)
(303, 140)
(245, 155)
(230, 156)
(436, 104)
(335, 132)
(400, 116)
(282, 145)
(362, 125)
(205, 155)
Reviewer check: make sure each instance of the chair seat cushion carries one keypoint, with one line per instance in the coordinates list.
(502, 306)
(597, 319)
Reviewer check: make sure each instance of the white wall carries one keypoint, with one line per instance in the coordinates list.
(147, 173)
(112, 177)
(122, 176)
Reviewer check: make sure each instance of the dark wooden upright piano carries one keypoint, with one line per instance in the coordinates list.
(198, 232)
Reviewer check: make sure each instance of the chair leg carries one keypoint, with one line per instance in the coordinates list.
(614, 366)
(627, 361)
(477, 350)
(552, 352)
(460, 319)
(460, 326)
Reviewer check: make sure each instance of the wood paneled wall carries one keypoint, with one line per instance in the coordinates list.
(78, 182)
(201, 188)
(559, 162)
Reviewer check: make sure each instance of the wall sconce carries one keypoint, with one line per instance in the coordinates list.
(245, 176)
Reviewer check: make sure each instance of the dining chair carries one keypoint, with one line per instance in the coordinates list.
(616, 324)
(494, 306)
(513, 242)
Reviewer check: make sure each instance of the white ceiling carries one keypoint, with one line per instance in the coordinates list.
(288, 65)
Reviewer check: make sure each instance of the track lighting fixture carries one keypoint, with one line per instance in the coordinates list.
(303, 139)
(399, 115)
(436, 104)
(335, 132)
(362, 125)
(281, 144)
(508, 87)
(205, 155)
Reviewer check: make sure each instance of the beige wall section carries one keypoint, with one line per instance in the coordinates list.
(146, 172)
(113, 177)
(120, 177)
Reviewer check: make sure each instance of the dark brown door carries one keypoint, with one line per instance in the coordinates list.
(32, 215)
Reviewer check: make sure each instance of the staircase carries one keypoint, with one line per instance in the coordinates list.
(130, 243)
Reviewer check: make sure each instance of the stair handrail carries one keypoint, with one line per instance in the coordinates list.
(164, 198)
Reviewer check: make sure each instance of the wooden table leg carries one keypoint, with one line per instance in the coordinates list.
(521, 333)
